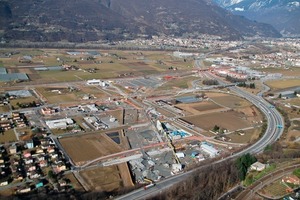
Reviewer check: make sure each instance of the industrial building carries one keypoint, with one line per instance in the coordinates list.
(14, 77)
(59, 123)
(209, 149)
(97, 82)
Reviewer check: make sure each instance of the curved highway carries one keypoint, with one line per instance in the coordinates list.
(273, 132)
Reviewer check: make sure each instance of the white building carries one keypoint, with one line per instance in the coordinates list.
(209, 150)
(179, 54)
(94, 82)
(92, 107)
(176, 168)
(257, 166)
(59, 123)
(180, 155)
(97, 82)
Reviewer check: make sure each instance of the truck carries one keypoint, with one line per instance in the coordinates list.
(149, 186)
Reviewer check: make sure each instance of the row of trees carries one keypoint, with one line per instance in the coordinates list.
(244, 84)
(210, 82)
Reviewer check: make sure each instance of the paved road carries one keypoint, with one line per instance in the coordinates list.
(271, 135)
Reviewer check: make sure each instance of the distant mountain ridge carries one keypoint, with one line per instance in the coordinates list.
(284, 15)
(92, 20)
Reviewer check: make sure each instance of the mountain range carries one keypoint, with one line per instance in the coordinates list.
(284, 15)
(93, 20)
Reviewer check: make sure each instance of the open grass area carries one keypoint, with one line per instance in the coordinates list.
(182, 83)
(282, 84)
(8, 136)
(110, 64)
(199, 107)
(228, 120)
(25, 133)
(4, 109)
(25, 100)
(228, 100)
(248, 137)
(7, 193)
(255, 175)
(74, 182)
(293, 71)
(275, 189)
(59, 94)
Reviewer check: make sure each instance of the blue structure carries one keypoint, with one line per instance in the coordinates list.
(38, 185)
(29, 144)
(194, 154)
(176, 132)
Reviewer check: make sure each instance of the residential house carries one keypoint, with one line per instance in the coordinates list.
(43, 163)
(26, 154)
(293, 179)
(13, 149)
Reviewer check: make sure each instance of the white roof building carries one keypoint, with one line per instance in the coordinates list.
(94, 82)
(257, 166)
(92, 107)
(176, 168)
(59, 123)
(209, 150)
(180, 154)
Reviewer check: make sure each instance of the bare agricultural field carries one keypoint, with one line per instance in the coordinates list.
(92, 91)
(230, 120)
(108, 179)
(88, 147)
(251, 113)
(228, 100)
(282, 84)
(200, 107)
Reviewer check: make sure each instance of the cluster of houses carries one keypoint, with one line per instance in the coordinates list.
(239, 73)
(15, 120)
(28, 162)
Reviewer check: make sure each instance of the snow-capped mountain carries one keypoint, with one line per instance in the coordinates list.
(284, 15)
(256, 5)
